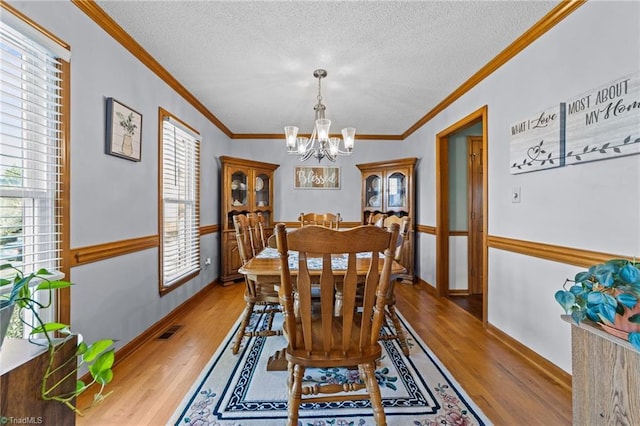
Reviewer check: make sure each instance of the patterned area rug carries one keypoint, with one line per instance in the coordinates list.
(238, 389)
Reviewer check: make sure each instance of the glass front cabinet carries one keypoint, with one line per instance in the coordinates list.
(247, 186)
(388, 188)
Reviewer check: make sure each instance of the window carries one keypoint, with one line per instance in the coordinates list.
(179, 206)
(32, 150)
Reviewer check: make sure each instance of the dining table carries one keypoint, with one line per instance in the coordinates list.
(265, 266)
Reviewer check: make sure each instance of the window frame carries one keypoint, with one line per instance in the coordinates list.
(62, 51)
(163, 116)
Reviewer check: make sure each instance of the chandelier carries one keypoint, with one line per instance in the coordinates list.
(320, 144)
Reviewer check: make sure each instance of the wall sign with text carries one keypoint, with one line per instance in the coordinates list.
(537, 142)
(604, 122)
(316, 177)
(596, 125)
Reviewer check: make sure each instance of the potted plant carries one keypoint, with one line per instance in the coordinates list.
(98, 356)
(129, 127)
(607, 294)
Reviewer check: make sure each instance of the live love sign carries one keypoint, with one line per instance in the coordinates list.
(596, 125)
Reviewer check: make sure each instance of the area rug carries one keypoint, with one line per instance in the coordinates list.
(238, 389)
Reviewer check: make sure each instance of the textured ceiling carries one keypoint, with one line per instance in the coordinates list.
(251, 63)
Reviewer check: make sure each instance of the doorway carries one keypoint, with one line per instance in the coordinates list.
(476, 209)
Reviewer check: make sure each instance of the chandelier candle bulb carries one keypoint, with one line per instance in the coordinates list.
(290, 134)
(302, 145)
(349, 135)
(323, 126)
(326, 146)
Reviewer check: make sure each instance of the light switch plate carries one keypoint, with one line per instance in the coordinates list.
(515, 195)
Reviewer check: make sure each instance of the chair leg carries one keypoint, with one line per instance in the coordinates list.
(248, 310)
(400, 335)
(368, 375)
(296, 372)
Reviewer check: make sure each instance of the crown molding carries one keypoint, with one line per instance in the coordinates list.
(556, 15)
(93, 11)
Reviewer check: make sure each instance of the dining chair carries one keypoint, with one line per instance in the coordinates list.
(257, 225)
(328, 220)
(404, 223)
(376, 219)
(400, 253)
(316, 337)
(257, 293)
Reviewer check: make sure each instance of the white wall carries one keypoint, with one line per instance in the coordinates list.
(591, 206)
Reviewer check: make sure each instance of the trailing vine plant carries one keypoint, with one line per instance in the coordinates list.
(98, 356)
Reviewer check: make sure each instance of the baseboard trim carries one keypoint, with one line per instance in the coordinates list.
(427, 287)
(552, 371)
(153, 331)
(555, 373)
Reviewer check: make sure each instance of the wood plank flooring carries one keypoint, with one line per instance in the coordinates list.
(471, 303)
(150, 383)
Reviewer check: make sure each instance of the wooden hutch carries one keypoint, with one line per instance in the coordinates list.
(388, 187)
(247, 186)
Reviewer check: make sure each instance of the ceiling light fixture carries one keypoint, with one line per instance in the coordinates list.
(320, 144)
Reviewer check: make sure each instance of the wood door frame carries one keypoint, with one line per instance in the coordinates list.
(474, 263)
(442, 203)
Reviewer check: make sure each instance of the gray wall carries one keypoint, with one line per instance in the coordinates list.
(458, 177)
(114, 199)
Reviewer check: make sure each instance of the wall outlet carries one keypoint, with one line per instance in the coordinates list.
(207, 261)
(515, 195)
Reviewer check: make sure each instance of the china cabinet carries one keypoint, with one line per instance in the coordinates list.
(388, 187)
(247, 186)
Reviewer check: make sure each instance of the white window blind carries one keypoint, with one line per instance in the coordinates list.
(180, 248)
(30, 154)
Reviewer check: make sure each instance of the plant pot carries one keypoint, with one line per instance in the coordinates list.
(127, 144)
(6, 311)
(622, 326)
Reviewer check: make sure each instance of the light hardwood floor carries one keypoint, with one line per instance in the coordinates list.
(150, 382)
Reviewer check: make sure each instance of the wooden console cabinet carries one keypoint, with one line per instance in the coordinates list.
(22, 366)
(247, 186)
(605, 378)
(388, 187)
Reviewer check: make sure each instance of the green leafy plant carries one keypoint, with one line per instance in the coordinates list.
(127, 122)
(98, 356)
(605, 293)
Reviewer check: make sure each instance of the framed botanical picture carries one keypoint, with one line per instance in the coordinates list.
(316, 177)
(124, 131)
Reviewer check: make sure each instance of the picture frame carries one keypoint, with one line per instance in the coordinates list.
(124, 131)
(316, 177)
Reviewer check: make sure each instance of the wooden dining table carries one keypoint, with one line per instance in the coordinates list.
(265, 267)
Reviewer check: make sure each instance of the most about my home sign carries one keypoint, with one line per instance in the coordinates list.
(599, 124)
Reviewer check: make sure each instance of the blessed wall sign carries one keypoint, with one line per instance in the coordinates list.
(317, 177)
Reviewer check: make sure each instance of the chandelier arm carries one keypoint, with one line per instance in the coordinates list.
(312, 140)
(329, 156)
(345, 152)
(308, 155)
(327, 147)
